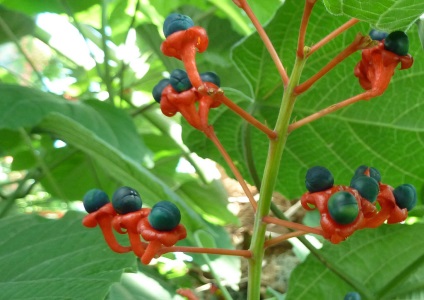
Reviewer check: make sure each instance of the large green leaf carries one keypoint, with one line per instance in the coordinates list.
(56, 259)
(19, 24)
(385, 132)
(25, 107)
(385, 263)
(34, 7)
(383, 14)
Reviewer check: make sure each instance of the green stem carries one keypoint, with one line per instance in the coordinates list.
(107, 76)
(272, 167)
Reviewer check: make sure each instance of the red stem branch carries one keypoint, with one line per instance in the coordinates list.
(292, 225)
(309, 4)
(210, 133)
(267, 42)
(332, 35)
(363, 96)
(360, 42)
(282, 238)
(242, 253)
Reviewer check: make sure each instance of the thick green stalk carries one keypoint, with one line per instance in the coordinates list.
(272, 167)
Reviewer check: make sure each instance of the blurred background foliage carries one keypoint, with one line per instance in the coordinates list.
(76, 112)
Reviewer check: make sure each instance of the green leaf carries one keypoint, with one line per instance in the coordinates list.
(210, 200)
(19, 24)
(366, 132)
(25, 107)
(388, 15)
(24, 159)
(34, 7)
(386, 263)
(56, 259)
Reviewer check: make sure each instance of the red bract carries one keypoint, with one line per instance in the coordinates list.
(183, 45)
(389, 211)
(103, 217)
(377, 67)
(333, 231)
(157, 239)
(129, 223)
(185, 102)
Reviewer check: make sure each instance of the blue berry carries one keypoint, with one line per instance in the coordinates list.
(405, 196)
(126, 200)
(164, 216)
(374, 173)
(179, 80)
(318, 179)
(94, 199)
(366, 186)
(158, 89)
(397, 42)
(176, 22)
(378, 35)
(211, 77)
(343, 207)
(352, 296)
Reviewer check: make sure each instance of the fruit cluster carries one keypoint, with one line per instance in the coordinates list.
(378, 63)
(159, 226)
(344, 209)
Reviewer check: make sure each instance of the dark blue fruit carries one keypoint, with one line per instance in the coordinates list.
(211, 77)
(158, 89)
(343, 207)
(126, 200)
(176, 22)
(366, 186)
(318, 179)
(397, 42)
(179, 80)
(164, 216)
(378, 35)
(374, 173)
(94, 199)
(405, 196)
(352, 296)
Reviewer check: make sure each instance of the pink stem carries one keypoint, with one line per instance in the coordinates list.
(363, 96)
(242, 253)
(210, 133)
(309, 4)
(152, 249)
(267, 42)
(332, 35)
(106, 227)
(136, 245)
(282, 238)
(292, 225)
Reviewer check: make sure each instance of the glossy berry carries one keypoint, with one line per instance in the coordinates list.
(343, 207)
(211, 77)
(377, 35)
(397, 42)
(94, 199)
(158, 89)
(126, 200)
(176, 22)
(352, 296)
(318, 179)
(164, 216)
(374, 173)
(366, 186)
(179, 80)
(405, 196)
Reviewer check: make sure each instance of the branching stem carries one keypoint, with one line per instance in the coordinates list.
(309, 5)
(292, 225)
(332, 35)
(267, 42)
(218, 251)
